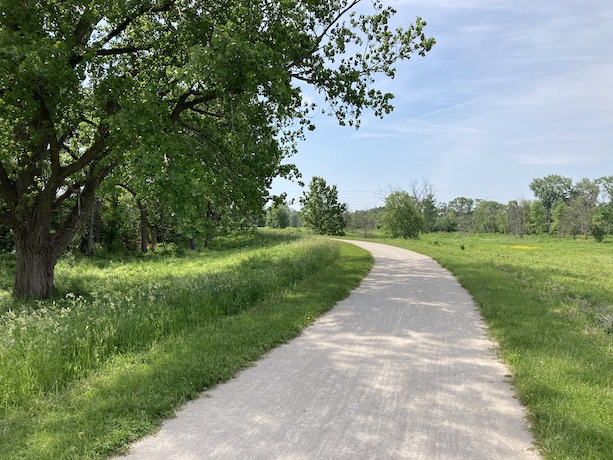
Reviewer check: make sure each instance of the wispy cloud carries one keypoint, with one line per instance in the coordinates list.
(448, 109)
(556, 159)
(513, 90)
(412, 127)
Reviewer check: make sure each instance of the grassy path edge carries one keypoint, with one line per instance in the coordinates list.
(127, 398)
(560, 364)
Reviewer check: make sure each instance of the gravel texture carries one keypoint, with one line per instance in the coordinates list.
(401, 369)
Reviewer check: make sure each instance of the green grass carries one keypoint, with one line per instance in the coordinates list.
(549, 304)
(125, 342)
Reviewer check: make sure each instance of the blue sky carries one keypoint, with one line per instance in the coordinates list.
(513, 90)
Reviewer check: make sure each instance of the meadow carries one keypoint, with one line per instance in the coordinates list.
(548, 303)
(126, 340)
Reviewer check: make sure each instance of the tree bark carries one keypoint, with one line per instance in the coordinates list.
(39, 243)
(144, 234)
(90, 234)
(34, 271)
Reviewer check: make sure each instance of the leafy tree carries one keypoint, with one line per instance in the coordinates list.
(604, 213)
(423, 194)
(430, 212)
(117, 226)
(537, 220)
(487, 217)
(365, 220)
(278, 216)
(6, 239)
(446, 219)
(463, 210)
(563, 221)
(401, 217)
(517, 216)
(461, 205)
(581, 212)
(552, 190)
(583, 206)
(599, 225)
(446, 222)
(588, 190)
(86, 87)
(295, 218)
(606, 185)
(321, 210)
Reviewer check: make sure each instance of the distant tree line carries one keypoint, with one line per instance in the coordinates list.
(561, 208)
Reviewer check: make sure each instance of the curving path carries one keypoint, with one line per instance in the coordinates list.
(401, 369)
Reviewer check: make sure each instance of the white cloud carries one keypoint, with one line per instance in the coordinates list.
(512, 90)
(556, 159)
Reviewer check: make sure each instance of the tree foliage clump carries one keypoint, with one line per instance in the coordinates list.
(321, 210)
(195, 104)
(402, 217)
(364, 220)
(278, 216)
(552, 190)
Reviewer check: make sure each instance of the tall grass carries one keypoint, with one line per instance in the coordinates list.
(127, 341)
(547, 302)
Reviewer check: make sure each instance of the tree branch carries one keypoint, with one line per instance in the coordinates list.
(86, 24)
(84, 28)
(118, 51)
(69, 227)
(7, 189)
(302, 78)
(211, 114)
(183, 104)
(94, 152)
(321, 36)
(82, 33)
(198, 132)
(45, 120)
(67, 193)
(139, 202)
(166, 6)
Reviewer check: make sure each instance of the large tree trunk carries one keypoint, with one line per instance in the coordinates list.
(35, 265)
(90, 233)
(39, 243)
(144, 234)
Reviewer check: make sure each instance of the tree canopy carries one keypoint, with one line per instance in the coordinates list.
(552, 190)
(402, 217)
(201, 97)
(321, 210)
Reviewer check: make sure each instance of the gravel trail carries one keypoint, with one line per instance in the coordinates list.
(401, 369)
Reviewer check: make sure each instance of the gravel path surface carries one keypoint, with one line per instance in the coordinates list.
(401, 369)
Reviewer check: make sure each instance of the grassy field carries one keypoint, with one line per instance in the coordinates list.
(549, 304)
(127, 341)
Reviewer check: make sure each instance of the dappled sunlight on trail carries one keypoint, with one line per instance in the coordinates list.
(401, 369)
